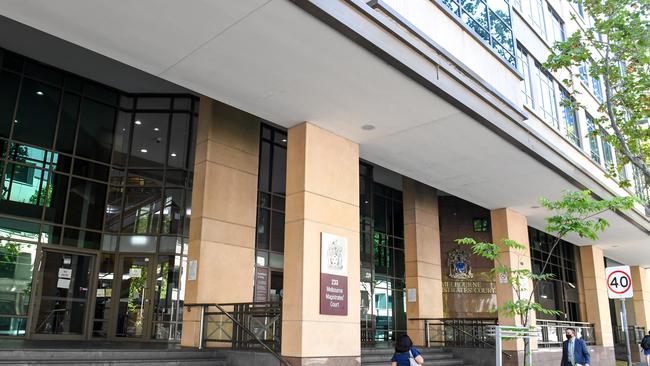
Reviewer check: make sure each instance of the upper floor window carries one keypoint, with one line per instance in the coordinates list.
(598, 91)
(536, 15)
(556, 33)
(584, 77)
(593, 140)
(581, 11)
(547, 104)
(524, 68)
(569, 118)
(608, 155)
(490, 21)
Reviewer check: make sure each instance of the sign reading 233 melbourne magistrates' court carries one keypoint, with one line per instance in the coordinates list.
(333, 275)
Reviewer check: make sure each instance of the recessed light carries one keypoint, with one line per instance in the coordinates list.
(367, 127)
(15, 121)
(173, 155)
(284, 140)
(156, 129)
(138, 123)
(143, 150)
(39, 93)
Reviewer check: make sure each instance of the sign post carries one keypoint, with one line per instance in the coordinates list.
(619, 286)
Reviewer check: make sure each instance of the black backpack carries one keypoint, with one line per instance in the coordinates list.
(645, 343)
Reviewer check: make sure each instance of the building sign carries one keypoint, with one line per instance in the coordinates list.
(333, 275)
(261, 284)
(468, 287)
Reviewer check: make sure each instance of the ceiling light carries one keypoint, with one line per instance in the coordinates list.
(173, 155)
(284, 140)
(39, 93)
(367, 127)
(138, 123)
(143, 150)
(156, 129)
(15, 121)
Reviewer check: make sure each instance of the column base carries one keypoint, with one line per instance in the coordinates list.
(324, 361)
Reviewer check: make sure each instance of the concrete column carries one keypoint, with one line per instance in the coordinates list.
(322, 197)
(422, 254)
(224, 196)
(641, 300)
(508, 224)
(595, 288)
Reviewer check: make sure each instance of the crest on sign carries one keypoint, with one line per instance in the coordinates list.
(459, 264)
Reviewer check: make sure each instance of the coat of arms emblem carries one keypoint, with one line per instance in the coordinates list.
(459, 264)
(335, 256)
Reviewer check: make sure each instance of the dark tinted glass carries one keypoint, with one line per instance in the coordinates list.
(73, 83)
(41, 72)
(178, 140)
(142, 207)
(68, 123)
(88, 200)
(149, 146)
(12, 61)
(54, 209)
(265, 167)
(61, 163)
(279, 176)
(101, 93)
(154, 103)
(37, 113)
(95, 139)
(8, 92)
(121, 138)
(277, 232)
(81, 239)
(90, 170)
(113, 209)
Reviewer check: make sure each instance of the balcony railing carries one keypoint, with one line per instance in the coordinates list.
(636, 334)
(551, 332)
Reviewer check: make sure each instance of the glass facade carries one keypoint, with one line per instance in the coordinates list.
(383, 299)
(490, 21)
(269, 241)
(88, 169)
(561, 292)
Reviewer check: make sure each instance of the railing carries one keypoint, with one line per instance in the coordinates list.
(636, 334)
(459, 332)
(551, 332)
(242, 325)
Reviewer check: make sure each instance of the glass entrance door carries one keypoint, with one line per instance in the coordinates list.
(134, 294)
(63, 294)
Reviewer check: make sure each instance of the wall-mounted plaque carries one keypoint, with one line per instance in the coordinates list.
(334, 275)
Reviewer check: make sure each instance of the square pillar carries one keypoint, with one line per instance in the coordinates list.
(224, 202)
(595, 288)
(641, 299)
(422, 256)
(322, 197)
(508, 224)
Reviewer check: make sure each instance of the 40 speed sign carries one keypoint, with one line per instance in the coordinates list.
(619, 282)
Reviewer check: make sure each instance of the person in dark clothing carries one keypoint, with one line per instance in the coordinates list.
(574, 350)
(645, 344)
(404, 351)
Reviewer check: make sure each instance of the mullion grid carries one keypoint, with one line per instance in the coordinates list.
(506, 53)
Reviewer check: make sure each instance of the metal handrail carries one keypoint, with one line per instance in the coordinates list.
(204, 306)
(449, 322)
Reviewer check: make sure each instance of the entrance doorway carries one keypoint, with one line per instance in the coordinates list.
(63, 290)
(124, 297)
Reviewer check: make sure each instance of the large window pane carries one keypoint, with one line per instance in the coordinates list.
(121, 138)
(56, 199)
(172, 211)
(149, 146)
(8, 92)
(95, 139)
(68, 123)
(16, 265)
(179, 137)
(142, 209)
(36, 117)
(23, 191)
(88, 199)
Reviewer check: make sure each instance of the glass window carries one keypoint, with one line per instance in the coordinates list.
(23, 192)
(524, 68)
(68, 123)
(16, 267)
(142, 209)
(593, 140)
(546, 90)
(569, 118)
(95, 139)
(138, 243)
(584, 78)
(556, 33)
(178, 139)
(536, 16)
(8, 93)
(88, 199)
(113, 209)
(598, 92)
(37, 113)
(172, 211)
(121, 138)
(44, 73)
(81, 239)
(149, 146)
(608, 156)
(56, 198)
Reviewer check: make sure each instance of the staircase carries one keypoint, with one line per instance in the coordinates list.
(122, 357)
(432, 357)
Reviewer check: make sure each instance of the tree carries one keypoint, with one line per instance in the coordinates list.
(616, 46)
(575, 212)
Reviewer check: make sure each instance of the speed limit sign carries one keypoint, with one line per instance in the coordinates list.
(619, 282)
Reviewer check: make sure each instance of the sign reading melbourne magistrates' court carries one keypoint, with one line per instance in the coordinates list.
(333, 275)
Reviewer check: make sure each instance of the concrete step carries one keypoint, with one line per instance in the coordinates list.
(434, 356)
(455, 362)
(427, 357)
(139, 362)
(97, 357)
